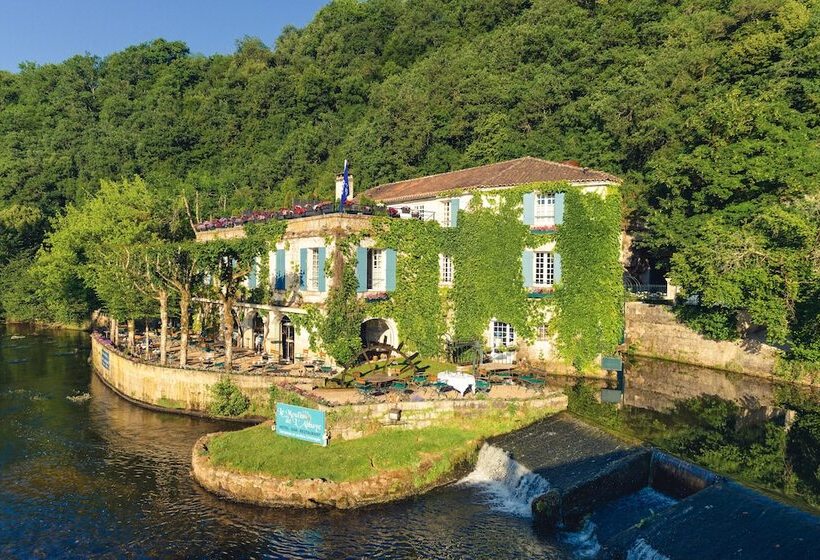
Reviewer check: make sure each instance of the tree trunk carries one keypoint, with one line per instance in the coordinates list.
(163, 332)
(132, 334)
(227, 306)
(147, 341)
(184, 320)
(115, 332)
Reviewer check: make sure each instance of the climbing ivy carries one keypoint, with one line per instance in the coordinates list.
(418, 305)
(486, 248)
(588, 317)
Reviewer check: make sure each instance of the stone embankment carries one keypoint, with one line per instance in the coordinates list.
(654, 331)
(265, 490)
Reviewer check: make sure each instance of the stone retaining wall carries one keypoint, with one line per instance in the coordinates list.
(653, 330)
(266, 490)
(169, 387)
(420, 414)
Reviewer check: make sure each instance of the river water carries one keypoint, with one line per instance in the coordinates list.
(85, 474)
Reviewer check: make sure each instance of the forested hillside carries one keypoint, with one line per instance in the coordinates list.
(707, 108)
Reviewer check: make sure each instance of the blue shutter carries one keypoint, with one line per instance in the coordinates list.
(556, 268)
(303, 269)
(322, 279)
(361, 268)
(527, 266)
(454, 212)
(559, 208)
(253, 275)
(390, 264)
(280, 269)
(529, 208)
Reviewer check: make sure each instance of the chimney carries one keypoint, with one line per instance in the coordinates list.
(339, 182)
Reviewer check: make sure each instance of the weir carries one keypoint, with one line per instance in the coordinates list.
(606, 499)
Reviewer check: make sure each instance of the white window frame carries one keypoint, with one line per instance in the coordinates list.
(445, 269)
(378, 268)
(543, 269)
(542, 332)
(544, 209)
(503, 334)
(313, 270)
(446, 217)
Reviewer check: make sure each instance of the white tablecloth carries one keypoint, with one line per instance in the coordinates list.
(458, 381)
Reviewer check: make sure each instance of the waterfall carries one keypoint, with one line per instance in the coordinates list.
(584, 543)
(510, 486)
(641, 550)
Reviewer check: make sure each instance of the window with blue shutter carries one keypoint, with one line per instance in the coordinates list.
(527, 266)
(280, 270)
(303, 263)
(557, 268)
(322, 279)
(454, 212)
(361, 268)
(390, 263)
(253, 275)
(529, 208)
(559, 208)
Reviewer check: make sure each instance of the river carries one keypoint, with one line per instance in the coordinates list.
(85, 474)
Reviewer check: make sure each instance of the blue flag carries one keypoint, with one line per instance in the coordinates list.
(345, 189)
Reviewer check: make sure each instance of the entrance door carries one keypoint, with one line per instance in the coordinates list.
(288, 334)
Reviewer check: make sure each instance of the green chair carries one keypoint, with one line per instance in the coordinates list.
(482, 386)
(532, 381)
(398, 387)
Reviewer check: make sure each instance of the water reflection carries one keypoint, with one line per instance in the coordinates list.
(101, 478)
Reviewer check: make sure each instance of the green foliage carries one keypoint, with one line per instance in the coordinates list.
(488, 281)
(418, 305)
(339, 330)
(708, 108)
(589, 300)
(714, 323)
(227, 399)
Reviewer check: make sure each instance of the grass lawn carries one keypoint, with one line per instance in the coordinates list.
(260, 450)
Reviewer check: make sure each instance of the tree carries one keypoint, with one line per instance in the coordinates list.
(228, 263)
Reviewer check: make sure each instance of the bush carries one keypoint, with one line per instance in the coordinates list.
(278, 394)
(712, 322)
(228, 400)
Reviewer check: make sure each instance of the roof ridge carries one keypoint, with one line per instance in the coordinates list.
(517, 160)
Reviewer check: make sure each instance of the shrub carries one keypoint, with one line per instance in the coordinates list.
(228, 400)
(712, 322)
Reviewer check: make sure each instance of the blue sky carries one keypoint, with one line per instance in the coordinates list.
(45, 31)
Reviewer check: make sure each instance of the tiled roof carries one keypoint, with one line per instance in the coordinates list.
(503, 174)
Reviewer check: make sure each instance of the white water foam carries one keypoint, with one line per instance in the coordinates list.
(510, 486)
(583, 543)
(642, 550)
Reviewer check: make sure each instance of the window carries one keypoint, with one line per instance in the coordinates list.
(544, 268)
(445, 275)
(542, 333)
(545, 209)
(503, 334)
(444, 218)
(313, 270)
(376, 270)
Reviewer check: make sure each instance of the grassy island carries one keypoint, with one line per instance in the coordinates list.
(389, 464)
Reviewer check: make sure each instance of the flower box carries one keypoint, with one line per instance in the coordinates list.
(372, 297)
(543, 229)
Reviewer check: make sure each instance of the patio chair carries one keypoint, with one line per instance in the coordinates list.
(531, 381)
(398, 387)
(482, 385)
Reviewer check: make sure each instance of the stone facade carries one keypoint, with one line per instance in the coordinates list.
(653, 330)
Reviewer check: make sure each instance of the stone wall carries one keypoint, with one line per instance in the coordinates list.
(352, 420)
(267, 490)
(169, 387)
(653, 330)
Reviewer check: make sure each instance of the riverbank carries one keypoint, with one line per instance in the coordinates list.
(388, 465)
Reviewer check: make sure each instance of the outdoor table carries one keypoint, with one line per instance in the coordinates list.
(458, 381)
(379, 379)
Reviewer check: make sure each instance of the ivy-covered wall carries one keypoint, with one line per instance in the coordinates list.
(486, 246)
